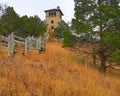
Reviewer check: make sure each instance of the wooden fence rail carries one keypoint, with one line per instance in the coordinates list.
(28, 43)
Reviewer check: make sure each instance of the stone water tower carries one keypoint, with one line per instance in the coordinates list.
(53, 17)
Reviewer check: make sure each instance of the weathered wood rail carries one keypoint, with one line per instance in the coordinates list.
(28, 43)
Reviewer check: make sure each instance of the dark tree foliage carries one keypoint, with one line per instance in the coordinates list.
(30, 26)
(62, 26)
(69, 39)
(98, 21)
(23, 26)
(63, 32)
(8, 20)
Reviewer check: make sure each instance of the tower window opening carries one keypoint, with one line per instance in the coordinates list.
(52, 27)
(52, 22)
(52, 13)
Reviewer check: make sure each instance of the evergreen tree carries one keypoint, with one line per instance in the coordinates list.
(33, 26)
(98, 20)
(22, 26)
(62, 26)
(69, 39)
(8, 20)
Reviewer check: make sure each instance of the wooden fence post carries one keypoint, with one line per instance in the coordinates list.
(26, 45)
(11, 44)
(29, 42)
(43, 45)
(38, 44)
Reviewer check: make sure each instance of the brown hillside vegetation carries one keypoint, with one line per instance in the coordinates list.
(54, 72)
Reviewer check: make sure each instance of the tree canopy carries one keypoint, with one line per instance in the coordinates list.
(98, 21)
(23, 26)
(62, 26)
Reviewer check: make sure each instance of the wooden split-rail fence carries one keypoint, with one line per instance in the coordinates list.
(28, 43)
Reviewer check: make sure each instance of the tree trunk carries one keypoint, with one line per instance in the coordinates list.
(94, 57)
(103, 64)
(94, 60)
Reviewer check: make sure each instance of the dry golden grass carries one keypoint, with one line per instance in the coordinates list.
(55, 72)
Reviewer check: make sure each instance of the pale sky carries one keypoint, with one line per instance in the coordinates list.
(37, 7)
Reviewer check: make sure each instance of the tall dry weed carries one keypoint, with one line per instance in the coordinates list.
(55, 72)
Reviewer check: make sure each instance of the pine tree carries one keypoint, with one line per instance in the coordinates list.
(23, 26)
(98, 20)
(62, 26)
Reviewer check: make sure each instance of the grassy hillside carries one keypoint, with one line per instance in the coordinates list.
(55, 72)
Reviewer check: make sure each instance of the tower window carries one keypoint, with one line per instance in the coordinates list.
(49, 13)
(52, 22)
(52, 27)
(52, 13)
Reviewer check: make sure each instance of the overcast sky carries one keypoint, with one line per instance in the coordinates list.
(37, 7)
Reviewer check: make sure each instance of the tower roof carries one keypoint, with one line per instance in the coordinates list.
(55, 9)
